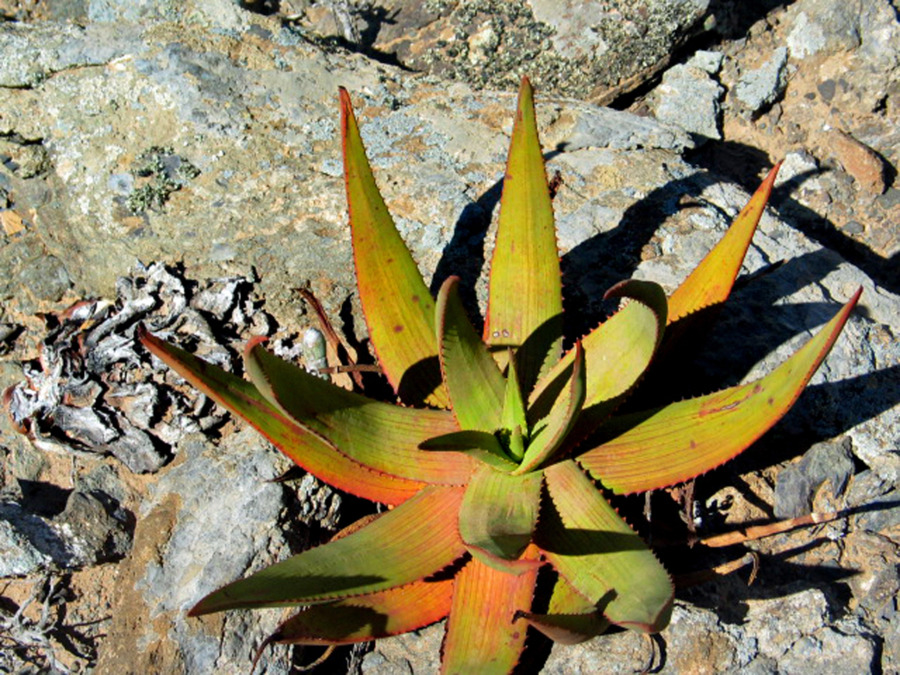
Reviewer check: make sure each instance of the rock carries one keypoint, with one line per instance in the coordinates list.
(210, 520)
(823, 25)
(707, 61)
(799, 165)
(876, 500)
(793, 632)
(690, 99)
(587, 126)
(92, 534)
(821, 28)
(594, 51)
(417, 652)
(18, 555)
(761, 87)
(797, 484)
(84, 534)
(859, 160)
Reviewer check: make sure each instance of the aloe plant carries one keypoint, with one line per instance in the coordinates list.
(499, 450)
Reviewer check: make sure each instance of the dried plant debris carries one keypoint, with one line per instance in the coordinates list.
(94, 390)
(34, 638)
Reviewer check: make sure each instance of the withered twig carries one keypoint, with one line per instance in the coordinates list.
(753, 532)
(702, 576)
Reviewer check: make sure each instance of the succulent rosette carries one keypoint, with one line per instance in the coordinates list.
(499, 449)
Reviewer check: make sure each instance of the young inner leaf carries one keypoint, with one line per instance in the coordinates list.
(513, 418)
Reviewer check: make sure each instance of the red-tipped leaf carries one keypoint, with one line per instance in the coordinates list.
(307, 449)
(484, 633)
(413, 541)
(381, 436)
(398, 308)
(525, 295)
(369, 617)
(711, 281)
(668, 445)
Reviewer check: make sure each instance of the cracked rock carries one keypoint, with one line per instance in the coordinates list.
(760, 88)
(690, 98)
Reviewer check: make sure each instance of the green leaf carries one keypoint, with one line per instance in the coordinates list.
(481, 445)
(711, 281)
(525, 294)
(413, 541)
(398, 308)
(548, 434)
(513, 417)
(305, 448)
(668, 445)
(600, 555)
(485, 636)
(616, 353)
(571, 618)
(368, 617)
(499, 513)
(379, 435)
(476, 385)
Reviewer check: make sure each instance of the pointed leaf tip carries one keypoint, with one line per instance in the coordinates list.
(396, 303)
(668, 445)
(413, 541)
(551, 432)
(306, 448)
(712, 280)
(525, 310)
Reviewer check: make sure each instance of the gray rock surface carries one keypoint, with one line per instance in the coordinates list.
(762, 86)
(84, 534)
(18, 554)
(818, 28)
(824, 463)
(590, 51)
(220, 510)
(689, 97)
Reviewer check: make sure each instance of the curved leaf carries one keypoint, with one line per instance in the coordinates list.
(616, 353)
(499, 513)
(513, 418)
(711, 281)
(398, 308)
(668, 445)
(525, 291)
(549, 433)
(481, 445)
(600, 555)
(486, 636)
(571, 618)
(477, 387)
(368, 617)
(379, 435)
(413, 541)
(305, 448)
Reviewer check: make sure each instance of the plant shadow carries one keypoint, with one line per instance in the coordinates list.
(756, 318)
